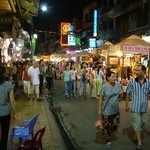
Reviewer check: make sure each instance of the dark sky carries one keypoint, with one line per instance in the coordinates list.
(59, 11)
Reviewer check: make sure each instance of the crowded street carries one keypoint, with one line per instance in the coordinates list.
(74, 74)
(80, 115)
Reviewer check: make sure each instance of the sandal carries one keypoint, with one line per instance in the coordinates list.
(108, 145)
(139, 147)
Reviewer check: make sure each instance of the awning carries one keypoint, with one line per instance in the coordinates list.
(7, 6)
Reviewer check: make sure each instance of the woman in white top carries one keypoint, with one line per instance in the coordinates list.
(83, 79)
(99, 79)
(73, 75)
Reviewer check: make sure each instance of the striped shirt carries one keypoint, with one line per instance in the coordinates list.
(139, 94)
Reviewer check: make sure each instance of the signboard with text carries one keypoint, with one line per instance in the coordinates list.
(92, 42)
(64, 33)
(139, 49)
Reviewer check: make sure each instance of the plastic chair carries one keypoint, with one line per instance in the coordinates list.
(25, 131)
(35, 143)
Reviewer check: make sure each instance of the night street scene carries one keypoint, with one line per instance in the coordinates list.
(74, 75)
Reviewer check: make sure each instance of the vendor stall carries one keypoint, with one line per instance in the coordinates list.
(132, 49)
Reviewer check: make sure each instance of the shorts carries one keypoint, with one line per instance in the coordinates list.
(138, 120)
(34, 89)
(25, 86)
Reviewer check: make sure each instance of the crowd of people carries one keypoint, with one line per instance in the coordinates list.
(103, 86)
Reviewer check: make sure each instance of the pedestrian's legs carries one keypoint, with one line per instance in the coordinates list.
(5, 124)
(71, 87)
(50, 83)
(37, 91)
(74, 86)
(66, 88)
(41, 83)
(84, 87)
(81, 88)
(138, 121)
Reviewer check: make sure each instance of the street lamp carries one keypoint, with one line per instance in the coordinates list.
(44, 8)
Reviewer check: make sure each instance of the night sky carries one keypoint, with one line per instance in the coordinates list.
(59, 11)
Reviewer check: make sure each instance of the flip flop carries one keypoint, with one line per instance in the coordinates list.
(108, 145)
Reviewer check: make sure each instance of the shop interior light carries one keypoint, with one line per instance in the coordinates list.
(119, 53)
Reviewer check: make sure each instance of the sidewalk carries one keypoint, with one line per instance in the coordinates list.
(80, 115)
(26, 109)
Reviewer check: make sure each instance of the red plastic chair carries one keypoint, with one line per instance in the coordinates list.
(35, 143)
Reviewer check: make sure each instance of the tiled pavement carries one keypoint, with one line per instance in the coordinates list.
(26, 109)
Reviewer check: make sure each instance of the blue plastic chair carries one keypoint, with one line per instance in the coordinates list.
(25, 131)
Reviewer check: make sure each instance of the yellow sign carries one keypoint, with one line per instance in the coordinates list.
(64, 27)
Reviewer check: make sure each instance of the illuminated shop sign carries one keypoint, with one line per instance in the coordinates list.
(64, 33)
(141, 49)
(64, 27)
(71, 39)
(95, 24)
(92, 42)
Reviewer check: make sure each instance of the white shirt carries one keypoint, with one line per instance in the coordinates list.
(73, 74)
(34, 74)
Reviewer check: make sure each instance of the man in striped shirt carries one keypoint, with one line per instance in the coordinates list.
(138, 90)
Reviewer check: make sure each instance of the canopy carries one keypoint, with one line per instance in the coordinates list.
(85, 53)
(106, 46)
(134, 39)
(104, 49)
(59, 56)
(132, 44)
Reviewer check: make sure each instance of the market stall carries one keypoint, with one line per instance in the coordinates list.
(59, 57)
(133, 50)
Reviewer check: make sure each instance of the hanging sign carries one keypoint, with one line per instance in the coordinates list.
(140, 49)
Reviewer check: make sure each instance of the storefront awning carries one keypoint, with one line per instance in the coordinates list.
(7, 6)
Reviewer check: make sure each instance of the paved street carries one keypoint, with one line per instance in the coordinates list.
(81, 114)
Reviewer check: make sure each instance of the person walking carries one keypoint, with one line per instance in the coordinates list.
(34, 77)
(108, 107)
(7, 102)
(138, 90)
(99, 80)
(42, 73)
(49, 77)
(73, 75)
(66, 78)
(83, 79)
(26, 81)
